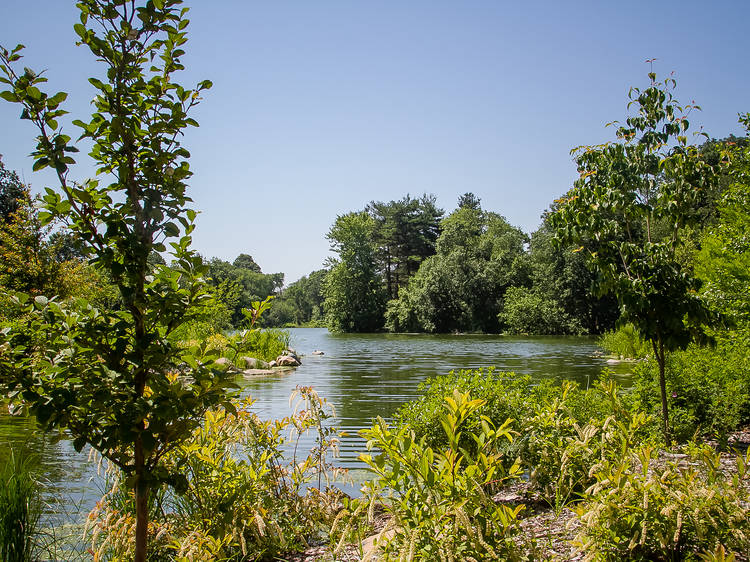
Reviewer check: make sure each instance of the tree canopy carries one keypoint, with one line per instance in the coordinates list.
(113, 377)
(405, 234)
(354, 293)
(629, 213)
(479, 256)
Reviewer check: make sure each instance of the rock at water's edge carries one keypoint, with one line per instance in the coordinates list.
(253, 363)
(287, 361)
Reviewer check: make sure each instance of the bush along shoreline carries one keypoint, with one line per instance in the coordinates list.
(486, 465)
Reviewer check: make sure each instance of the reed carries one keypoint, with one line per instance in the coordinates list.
(20, 510)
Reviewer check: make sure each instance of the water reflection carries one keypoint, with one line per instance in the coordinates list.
(364, 376)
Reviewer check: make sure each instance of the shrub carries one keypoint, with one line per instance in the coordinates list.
(625, 342)
(640, 509)
(526, 311)
(708, 388)
(560, 448)
(439, 499)
(562, 430)
(239, 497)
(504, 395)
(265, 344)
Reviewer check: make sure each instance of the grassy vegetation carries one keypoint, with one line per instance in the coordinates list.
(20, 510)
(239, 497)
(625, 343)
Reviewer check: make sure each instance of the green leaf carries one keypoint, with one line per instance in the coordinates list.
(179, 482)
(171, 229)
(34, 93)
(58, 98)
(40, 164)
(79, 443)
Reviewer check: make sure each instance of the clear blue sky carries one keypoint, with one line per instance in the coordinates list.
(320, 107)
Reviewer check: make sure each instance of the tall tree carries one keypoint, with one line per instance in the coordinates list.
(246, 261)
(113, 377)
(461, 288)
(353, 290)
(405, 235)
(629, 212)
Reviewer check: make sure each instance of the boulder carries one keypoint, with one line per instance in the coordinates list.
(253, 363)
(291, 353)
(287, 361)
(224, 362)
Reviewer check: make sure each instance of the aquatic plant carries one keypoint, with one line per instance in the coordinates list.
(20, 510)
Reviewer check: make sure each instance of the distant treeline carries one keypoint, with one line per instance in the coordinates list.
(402, 266)
(406, 266)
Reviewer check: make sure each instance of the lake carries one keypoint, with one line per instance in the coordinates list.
(363, 376)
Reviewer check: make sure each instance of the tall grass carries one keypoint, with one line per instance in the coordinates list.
(625, 342)
(20, 510)
(267, 344)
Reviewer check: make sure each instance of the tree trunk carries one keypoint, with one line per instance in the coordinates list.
(141, 505)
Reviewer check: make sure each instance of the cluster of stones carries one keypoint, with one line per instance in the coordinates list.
(253, 366)
(287, 359)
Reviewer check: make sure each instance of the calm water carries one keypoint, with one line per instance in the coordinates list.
(364, 376)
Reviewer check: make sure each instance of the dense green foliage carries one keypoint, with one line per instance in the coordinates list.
(354, 294)
(631, 211)
(38, 260)
(11, 191)
(545, 416)
(112, 377)
(470, 271)
(527, 311)
(504, 396)
(237, 284)
(625, 343)
(708, 389)
(243, 498)
(724, 260)
(20, 510)
(301, 303)
(479, 256)
(560, 278)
